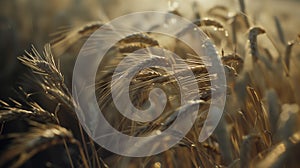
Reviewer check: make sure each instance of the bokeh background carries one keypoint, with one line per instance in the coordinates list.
(32, 22)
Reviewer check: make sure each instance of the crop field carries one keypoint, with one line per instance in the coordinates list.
(41, 113)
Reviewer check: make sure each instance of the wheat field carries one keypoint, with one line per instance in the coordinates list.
(257, 42)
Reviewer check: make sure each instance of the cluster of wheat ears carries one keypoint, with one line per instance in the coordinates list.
(259, 127)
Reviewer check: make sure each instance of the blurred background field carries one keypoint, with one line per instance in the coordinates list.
(27, 22)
